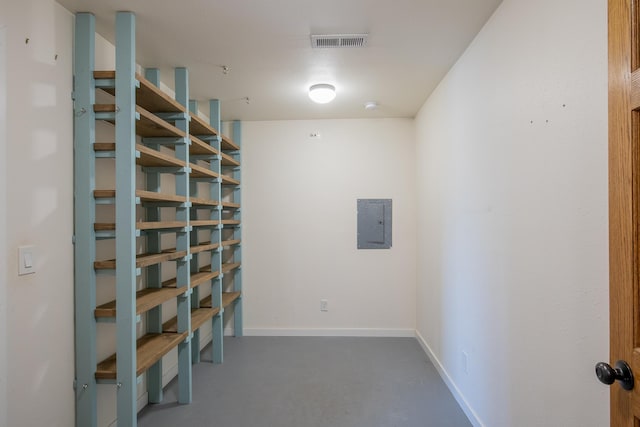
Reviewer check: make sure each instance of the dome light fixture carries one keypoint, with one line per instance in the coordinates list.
(322, 93)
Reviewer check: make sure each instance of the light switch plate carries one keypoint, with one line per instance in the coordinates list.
(26, 260)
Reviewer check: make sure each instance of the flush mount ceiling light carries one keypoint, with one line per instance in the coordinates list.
(371, 105)
(322, 93)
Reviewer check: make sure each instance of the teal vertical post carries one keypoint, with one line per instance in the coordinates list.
(154, 272)
(237, 255)
(194, 266)
(217, 344)
(125, 220)
(182, 244)
(84, 218)
(193, 107)
(153, 75)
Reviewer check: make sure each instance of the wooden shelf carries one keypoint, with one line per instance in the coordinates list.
(197, 201)
(144, 196)
(154, 158)
(104, 146)
(230, 222)
(227, 160)
(148, 95)
(227, 243)
(201, 172)
(201, 247)
(229, 266)
(140, 225)
(146, 299)
(228, 144)
(204, 223)
(198, 317)
(149, 349)
(197, 126)
(145, 260)
(142, 260)
(227, 180)
(204, 246)
(227, 299)
(196, 279)
(148, 156)
(226, 267)
(230, 205)
(199, 147)
(149, 125)
(205, 269)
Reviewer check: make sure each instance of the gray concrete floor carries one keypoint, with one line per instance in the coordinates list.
(312, 382)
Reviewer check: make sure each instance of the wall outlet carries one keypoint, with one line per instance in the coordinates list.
(465, 362)
(324, 305)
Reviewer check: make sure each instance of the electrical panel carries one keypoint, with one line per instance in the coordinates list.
(374, 223)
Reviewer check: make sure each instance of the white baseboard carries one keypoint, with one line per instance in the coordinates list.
(457, 394)
(338, 332)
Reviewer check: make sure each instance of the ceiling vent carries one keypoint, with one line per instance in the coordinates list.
(338, 40)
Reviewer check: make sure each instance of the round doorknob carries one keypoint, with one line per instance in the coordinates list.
(622, 373)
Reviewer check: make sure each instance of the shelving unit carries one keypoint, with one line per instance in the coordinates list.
(174, 243)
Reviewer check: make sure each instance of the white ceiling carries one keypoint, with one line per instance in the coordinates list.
(266, 46)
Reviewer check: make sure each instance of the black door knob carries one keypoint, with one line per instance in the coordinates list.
(622, 373)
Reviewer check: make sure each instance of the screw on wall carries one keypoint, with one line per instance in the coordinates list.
(26, 41)
(55, 58)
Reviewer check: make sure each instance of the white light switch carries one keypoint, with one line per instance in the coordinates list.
(26, 260)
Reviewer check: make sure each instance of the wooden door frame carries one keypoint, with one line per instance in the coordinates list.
(623, 203)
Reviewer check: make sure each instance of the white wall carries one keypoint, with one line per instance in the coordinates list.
(39, 209)
(512, 189)
(299, 216)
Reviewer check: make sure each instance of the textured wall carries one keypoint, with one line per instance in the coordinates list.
(512, 229)
(39, 209)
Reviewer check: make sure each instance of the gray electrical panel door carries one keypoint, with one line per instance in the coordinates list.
(374, 223)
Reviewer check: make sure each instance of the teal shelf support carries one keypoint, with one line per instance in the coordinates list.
(237, 234)
(154, 272)
(195, 265)
(126, 273)
(182, 244)
(84, 218)
(217, 344)
(125, 220)
(153, 75)
(193, 106)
